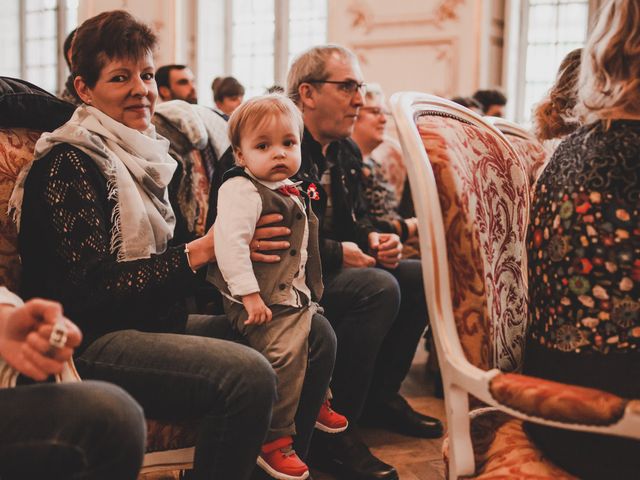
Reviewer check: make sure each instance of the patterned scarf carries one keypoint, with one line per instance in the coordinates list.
(137, 168)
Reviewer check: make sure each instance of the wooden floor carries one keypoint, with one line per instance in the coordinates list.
(414, 458)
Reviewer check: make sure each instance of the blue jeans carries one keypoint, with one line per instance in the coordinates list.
(88, 430)
(230, 387)
(379, 317)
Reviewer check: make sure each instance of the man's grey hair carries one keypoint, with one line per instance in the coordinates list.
(311, 65)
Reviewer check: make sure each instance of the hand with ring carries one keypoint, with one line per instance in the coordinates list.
(264, 239)
(32, 338)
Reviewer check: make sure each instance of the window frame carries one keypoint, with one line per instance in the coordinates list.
(518, 11)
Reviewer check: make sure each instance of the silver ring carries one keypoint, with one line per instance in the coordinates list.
(58, 337)
(257, 245)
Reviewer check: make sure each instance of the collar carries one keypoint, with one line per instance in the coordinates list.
(271, 185)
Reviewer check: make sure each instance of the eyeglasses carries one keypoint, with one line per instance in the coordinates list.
(376, 111)
(347, 86)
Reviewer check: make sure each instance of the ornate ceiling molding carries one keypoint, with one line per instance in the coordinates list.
(363, 16)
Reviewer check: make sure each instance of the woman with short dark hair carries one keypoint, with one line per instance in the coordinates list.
(96, 234)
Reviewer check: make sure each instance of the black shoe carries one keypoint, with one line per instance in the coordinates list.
(346, 456)
(397, 415)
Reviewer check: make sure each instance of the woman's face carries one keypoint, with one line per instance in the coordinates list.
(126, 91)
(371, 121)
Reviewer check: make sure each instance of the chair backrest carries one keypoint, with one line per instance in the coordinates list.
(16, 151)
(471, 196)
(533, 153)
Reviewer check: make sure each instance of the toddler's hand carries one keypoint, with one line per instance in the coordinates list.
(258, 312)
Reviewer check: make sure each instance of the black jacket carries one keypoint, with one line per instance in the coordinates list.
(351, 222)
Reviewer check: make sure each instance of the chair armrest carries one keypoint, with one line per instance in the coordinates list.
(559, 402)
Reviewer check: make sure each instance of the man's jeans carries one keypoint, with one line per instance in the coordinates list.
(88, 431)
(230, 387)
(379, 317)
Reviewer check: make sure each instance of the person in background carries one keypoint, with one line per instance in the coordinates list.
(584, 249)
(555, 116)
(228, 94)
(69, 93)
(369, 133)
(470, 103)
(49, 430)
(176, 82)
(492, 101)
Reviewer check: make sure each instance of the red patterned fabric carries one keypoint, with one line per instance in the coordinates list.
(16, 151)
(556, 401)
(503, 451)
(533, 154)
(483, 194)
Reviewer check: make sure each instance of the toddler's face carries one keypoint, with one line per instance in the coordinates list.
(271, 151)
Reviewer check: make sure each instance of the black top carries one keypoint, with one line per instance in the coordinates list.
(584, 243)
(64, 244)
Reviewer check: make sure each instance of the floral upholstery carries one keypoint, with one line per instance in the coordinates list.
(556, 401)
(533, 154)
(503, 450)
(201, 191)
(483, 195)
(16, 150)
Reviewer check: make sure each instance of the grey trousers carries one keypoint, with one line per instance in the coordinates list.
(284, 343)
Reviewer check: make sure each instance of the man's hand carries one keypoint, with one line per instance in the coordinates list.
(353, 257)
(258, 312)
(24, 338)
(262, 242)
(387, 247)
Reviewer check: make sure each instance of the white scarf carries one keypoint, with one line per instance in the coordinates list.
(138, 169)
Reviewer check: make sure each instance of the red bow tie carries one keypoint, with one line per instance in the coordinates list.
(289, 190)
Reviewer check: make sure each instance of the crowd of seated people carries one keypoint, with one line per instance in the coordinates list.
(108, 229)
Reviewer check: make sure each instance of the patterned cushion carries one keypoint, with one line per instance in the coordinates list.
(483, 194)
(503, 450)
(16, 150)
(533, 154)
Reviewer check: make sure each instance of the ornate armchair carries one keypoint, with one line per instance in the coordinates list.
(533, 153)
(170, 446)
(470, 191)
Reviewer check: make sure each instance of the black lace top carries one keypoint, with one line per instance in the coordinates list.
(584, 244)
(64, 244)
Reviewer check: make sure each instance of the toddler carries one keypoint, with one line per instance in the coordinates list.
(271, 304)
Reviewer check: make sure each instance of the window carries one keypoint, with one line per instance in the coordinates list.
(549, 29)
(31, 36)
(255, 40)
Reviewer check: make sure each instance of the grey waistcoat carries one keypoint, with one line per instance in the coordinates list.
(275, 279)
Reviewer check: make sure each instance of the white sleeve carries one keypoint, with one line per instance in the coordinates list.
(9, 298)
(239, 208)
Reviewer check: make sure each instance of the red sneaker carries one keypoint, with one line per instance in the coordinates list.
(330, 421)
(279, 459)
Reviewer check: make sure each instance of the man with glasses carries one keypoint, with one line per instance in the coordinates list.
(378, 314)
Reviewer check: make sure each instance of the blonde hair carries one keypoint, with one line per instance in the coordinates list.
(610, 73)
(555, 115)
(374, 92)
(256, 111)
(311, 65)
